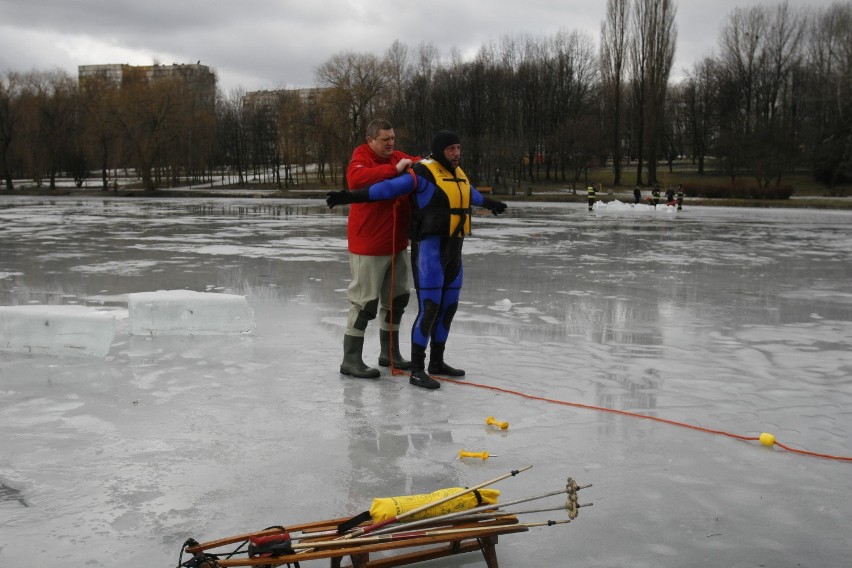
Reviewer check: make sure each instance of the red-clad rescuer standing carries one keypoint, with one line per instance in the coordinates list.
(377, 233)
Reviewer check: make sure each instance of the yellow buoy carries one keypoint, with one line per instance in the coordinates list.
(491, 421)
(481, 455)
(767, 439)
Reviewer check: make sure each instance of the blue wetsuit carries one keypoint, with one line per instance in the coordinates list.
(437, 234)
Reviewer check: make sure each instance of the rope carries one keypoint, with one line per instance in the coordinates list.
(396, 205)
(394, 371)
(644, 416)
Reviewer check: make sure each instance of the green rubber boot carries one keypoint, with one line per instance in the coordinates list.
(352, 364)
(386, 338)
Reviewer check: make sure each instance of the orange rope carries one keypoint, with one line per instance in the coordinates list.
(645, 416)
(394, 371)
(396, 204)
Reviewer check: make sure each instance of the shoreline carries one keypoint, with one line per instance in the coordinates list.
(544, 196)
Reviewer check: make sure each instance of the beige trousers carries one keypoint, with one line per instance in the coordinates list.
(371, 288)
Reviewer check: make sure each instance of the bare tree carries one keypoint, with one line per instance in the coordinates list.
(97, 95)
(49, 106)
(231, 134)
(778, 94)
(396, 62)
(146, 117)
(418, 107)
(10, 123)
(760, 52)
(828, 100)
(573, 64)
(613, 64)
(701, 112)
(652, 54)
(358, 83)
(357, 86)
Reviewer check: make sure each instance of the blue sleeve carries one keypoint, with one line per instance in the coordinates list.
(391, 188)
(476, 198)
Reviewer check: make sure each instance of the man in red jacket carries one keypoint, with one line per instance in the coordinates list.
(378, 241)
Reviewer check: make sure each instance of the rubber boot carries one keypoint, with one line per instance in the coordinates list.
(352, 363)
(419, 377)
(386, 338)
(437, 365)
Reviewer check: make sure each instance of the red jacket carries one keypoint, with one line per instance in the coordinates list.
(370, 229)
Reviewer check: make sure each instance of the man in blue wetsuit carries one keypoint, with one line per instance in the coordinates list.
(441, 202)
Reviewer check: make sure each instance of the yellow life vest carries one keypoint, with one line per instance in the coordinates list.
(457, 190)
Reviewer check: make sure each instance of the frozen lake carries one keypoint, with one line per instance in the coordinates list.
(734, 320)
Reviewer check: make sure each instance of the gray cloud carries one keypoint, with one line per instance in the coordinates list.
(258, 44)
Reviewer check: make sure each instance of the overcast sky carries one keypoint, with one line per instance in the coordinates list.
(270, 44)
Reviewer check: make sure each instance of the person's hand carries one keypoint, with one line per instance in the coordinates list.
(341, 197)
(403, 165)
(493, 205)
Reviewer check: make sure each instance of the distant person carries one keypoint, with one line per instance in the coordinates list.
(655, 195)
(637, 195)
(679, 196)
(670, 196)
(377, 240)
(441, 198)
(591, 196)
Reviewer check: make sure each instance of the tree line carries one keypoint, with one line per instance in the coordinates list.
(775, 100)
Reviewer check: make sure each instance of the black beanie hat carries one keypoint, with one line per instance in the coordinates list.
(440, 141)
(443, 139)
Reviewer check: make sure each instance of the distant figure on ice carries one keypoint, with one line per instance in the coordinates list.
(679, 196)
(591, 191)
(441, 198)
(637, 195)
(655, 195)
(670, 193)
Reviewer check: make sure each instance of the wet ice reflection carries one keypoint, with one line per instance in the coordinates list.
(735, 320)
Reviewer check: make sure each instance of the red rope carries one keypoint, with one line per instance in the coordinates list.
(396, 205)
(394, 371)
(644, 416)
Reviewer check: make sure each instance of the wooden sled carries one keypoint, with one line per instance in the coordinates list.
(384, 544)
(445, 538)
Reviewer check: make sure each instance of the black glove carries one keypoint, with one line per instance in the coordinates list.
(341, 197)
(493, 205)
(344, 197)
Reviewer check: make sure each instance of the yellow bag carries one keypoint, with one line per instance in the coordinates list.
(384, 508)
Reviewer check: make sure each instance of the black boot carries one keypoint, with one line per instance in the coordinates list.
(386, 338)
(437, 365)
(419, 377)
(352, 363)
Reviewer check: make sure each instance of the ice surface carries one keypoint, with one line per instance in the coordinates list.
(56, 330)
(186, 312)
(735, 320)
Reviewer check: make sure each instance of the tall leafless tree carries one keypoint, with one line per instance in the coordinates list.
(760, 52)
(358, 85)
(654, 35)
(10, 123)
(701, 114)
(828, 100)
(613, 63)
